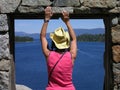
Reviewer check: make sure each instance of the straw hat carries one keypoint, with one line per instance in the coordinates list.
(61, 38)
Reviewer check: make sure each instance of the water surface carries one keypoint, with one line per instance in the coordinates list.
(88, 72)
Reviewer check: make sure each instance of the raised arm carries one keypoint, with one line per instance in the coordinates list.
(48, 15)
(73, 46)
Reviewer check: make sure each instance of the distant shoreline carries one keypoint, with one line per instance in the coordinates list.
(23, 39)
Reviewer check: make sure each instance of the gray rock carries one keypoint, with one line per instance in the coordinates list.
(116, 71)
(60, 9)
(33, 6)
(116, 78)
(36, 3)
(115, 21)
(116, 65)
(81, 1)
(68, 3)
(32, 9)
(118, 3)
(82, 9)
(88, 10)
(100, 3)
(3, 22)
(4, 65)
(115, 10)
(9, 6)
(22, 87)
(4, 80)
(4, 46)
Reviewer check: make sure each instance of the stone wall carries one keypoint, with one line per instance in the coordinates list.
(107, 9)
(116, 51)
(4, 53)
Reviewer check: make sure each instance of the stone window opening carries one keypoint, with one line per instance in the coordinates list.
(103, 83)
(107, 55)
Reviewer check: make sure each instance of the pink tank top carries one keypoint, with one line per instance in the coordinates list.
(61, 78)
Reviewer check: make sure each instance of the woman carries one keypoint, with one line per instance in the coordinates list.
(60, 59)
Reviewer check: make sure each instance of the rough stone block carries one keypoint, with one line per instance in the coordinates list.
(118, 3)
(9, 6)
(4, 46)
(116, 71)
(4, 65)
(116, 34)
(32, 9)
(22, 87)
(68, 3)
(36, 2)
(3, 22)
(82, 9)
(116, 66)
(88, 10)
(100, 3)
(115, 10)
(33, 6)
(115, 21)
(4, 80)
(116, 53)
(60, 9)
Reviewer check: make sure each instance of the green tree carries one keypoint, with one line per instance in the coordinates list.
(23, 39)
(91, 37)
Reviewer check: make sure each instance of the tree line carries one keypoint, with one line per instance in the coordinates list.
(23, 39)
(91, 37)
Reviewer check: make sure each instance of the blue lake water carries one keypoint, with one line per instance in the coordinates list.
(88, 72)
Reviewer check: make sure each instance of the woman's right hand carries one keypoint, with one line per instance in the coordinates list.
(48, 13)
(65, 17)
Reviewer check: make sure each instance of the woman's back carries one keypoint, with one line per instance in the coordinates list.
(61, 77)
